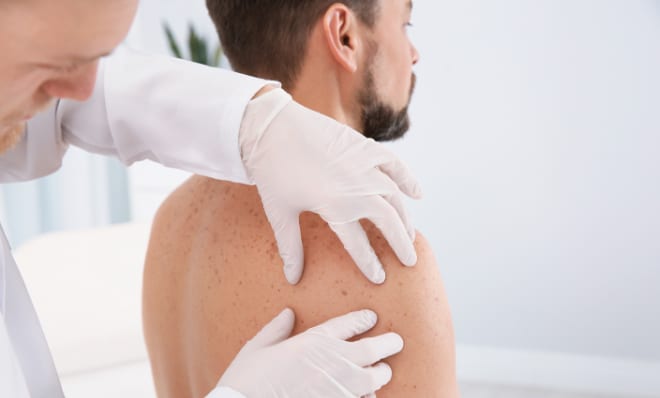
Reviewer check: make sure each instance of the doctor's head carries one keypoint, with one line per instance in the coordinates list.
(349, 59)
(50, 49)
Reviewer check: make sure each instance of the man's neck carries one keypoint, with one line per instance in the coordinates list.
(324, 94)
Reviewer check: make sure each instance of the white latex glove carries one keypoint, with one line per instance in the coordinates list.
(316, 363)
(301, 160)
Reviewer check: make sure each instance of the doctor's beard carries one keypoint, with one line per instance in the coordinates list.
(381, 121)
(10, 137)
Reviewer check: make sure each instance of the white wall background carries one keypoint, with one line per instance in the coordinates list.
(88, 191)
(537, 137)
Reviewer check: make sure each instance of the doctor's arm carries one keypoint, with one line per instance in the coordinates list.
(204, 120)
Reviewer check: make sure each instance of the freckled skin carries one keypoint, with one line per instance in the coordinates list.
(213, 278)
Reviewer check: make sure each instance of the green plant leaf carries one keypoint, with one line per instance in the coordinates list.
(198, 48)
(217, 56)
(171, 41)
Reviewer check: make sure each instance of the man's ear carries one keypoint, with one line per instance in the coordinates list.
(340, 29)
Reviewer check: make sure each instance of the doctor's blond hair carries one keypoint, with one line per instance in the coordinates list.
(268, 38)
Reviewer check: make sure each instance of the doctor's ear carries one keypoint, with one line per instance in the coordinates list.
(340, 27)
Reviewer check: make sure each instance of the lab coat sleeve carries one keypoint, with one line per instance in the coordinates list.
(182, 115)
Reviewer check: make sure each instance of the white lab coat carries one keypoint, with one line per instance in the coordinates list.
(176, 113)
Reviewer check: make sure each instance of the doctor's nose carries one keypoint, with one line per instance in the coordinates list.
(77, 85)
(415, 54)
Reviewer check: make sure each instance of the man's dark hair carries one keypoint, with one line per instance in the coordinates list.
(268, 38)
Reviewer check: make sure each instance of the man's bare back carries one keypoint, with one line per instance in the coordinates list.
(213, 279)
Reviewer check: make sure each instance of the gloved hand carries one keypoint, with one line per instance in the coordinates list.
(316, 363)
(301, 160)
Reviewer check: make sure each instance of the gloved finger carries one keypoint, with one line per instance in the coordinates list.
(387, 220)
(275, 331)
(372, 183)
(356, 243)
(403, 177)
(289, 244)
(397, 202)
(370, 350)
(385, 160)
(373, 378)
(346, 326)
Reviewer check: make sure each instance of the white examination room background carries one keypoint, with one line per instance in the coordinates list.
(88, 191)
(537, 139)
(536, 135)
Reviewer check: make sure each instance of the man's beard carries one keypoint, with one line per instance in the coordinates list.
(379, 120)
(9, 138)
